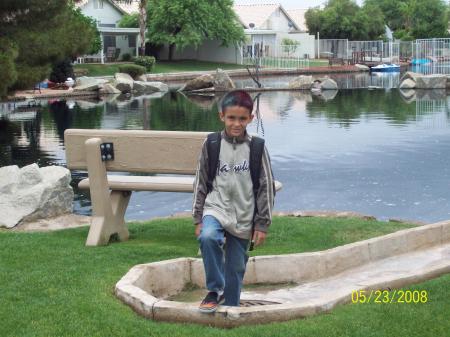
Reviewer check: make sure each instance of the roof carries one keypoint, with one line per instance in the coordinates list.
(258, 13)
(129, 7)
(298, 16)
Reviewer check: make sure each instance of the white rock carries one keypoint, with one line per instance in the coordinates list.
(435, 81)
(222, 82)
(301, 82)
(9, 178)
(158, 86)
(29, 176)
(124, 82)
(33, 193)
(109, 89)
(328, 84)
(362, 67)
(408, 84)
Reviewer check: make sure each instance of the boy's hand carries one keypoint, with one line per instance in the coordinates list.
(259, 238)
(198, 228)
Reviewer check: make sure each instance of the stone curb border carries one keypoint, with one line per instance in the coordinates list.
(144, 286)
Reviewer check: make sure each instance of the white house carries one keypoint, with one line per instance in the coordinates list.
(116, 41)
(265, 26)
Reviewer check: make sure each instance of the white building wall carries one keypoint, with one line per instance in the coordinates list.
(106, 15)
(209, 51)
(307, 42)
(123, 43)
(277, 21)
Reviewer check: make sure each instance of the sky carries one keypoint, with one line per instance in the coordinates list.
(288, 4)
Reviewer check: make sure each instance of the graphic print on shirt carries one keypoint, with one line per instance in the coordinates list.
(224, 168)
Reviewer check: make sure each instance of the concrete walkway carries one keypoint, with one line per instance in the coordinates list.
(392, 272)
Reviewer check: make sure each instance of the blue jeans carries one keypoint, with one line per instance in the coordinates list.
(223, 271)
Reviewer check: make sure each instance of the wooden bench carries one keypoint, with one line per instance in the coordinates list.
(155, 152)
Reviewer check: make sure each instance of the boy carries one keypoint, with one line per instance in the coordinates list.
(228, 204)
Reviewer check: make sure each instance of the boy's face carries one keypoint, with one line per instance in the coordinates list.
(236, 119)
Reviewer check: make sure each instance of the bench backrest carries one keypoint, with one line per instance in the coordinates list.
(171, 152)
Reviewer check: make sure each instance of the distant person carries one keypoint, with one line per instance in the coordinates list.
(233, 200)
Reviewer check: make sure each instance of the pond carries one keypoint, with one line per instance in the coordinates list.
(369, 151)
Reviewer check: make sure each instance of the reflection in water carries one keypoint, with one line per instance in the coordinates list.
(369, 151)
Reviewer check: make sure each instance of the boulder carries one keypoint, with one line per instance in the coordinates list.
(85, 80)
(149, 87)
(222, 82)
(201, 82)
(409, 75)
(435, 81)
(431, 95)
(108, 89)
(32, 193)
(157, 86)
(124, 82)
(328, 84)
(142, 78)
(87, 87)
(301, 82)
(407, 84)
(362, 67)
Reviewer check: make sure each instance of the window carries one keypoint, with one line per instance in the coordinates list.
(98, 4)
(132, 41)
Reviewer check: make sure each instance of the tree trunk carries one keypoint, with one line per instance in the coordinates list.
(171, 51)
(142, 24)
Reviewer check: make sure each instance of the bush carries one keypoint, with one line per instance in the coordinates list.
(132, 69)
(126, 57)
(61, 71)
(146, 61)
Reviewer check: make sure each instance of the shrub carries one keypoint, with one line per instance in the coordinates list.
(132, 69)
(126, 57)
(61, 71)
(146, 61)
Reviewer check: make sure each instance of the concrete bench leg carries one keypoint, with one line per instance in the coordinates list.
(108, 208)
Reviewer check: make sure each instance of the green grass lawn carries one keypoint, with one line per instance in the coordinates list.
(160, 67)
(52, 285)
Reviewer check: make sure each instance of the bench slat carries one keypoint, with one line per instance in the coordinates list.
(151, 183)
(172, 152)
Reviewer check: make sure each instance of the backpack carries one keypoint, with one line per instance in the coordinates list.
(256, 152)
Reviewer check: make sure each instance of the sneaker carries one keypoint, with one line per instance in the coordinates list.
(210, 303)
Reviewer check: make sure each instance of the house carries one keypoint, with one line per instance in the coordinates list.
(116, 41)
(265, 26)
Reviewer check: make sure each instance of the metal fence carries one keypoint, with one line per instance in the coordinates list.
(434, 50)
(332, 48)
(270, 56)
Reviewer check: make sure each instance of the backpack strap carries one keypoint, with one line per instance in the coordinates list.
(213, 147)
(256, 153)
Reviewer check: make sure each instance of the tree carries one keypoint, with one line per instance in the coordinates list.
(289, 45)
(35, 34)
(414, 19)
(190, 22)
(344, 19)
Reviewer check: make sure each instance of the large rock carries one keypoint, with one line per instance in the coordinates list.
(32, 193)
(301, 82)
(362, 67)
(201, 82)
(410, 75)
(223, 82)
(124, 82)
(435, 81)
(149, 87)
(157, 86)
(328, 84)
(408, 84)
(85, 80)
(109, 88)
